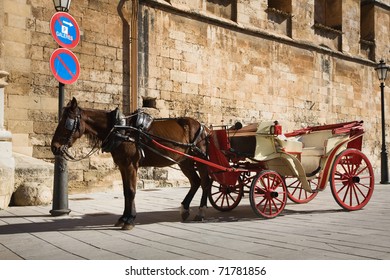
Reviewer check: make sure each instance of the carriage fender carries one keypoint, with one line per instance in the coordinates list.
(287, 165)
(294, 163)
(290, 165)
(331, 157)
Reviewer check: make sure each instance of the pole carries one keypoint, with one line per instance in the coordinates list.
(60, 188)
(384, 163)
(134, 58)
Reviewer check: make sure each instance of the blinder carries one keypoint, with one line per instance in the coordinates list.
(143, 121)
(70, 123)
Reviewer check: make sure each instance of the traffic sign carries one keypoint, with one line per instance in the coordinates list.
(65, 30)
(65, 66)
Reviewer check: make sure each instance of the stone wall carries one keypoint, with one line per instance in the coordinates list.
(7, 161)
(262, 68)
(32, 103)
(218, 61)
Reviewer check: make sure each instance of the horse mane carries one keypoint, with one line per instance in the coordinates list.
(93, 140)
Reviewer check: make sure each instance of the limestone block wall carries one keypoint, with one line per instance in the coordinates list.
(200, 64)
(31, 104)
(218, 61)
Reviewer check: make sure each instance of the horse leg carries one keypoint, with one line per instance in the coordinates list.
(129, 179)
(187, 167)
(205, 183)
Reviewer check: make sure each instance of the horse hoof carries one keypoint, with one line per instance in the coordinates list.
(198, 218)
(185, 215)
(119, 223)
(128, 226)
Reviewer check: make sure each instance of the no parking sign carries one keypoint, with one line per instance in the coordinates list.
(65, 66)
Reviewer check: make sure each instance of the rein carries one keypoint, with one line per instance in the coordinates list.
(179, 144)
(153, 139)
(117, 133)
(69, 157)
(191, 146)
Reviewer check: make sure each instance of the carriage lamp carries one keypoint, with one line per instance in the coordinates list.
(381, 70)
(62, 5)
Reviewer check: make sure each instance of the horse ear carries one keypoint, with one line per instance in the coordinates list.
(73, 103)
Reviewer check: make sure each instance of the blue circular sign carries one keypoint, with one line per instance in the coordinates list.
(65, 30)
(65, 66)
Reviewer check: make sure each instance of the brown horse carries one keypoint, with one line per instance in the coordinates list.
(133, 148)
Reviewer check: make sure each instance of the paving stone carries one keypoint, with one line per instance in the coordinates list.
(319, 230)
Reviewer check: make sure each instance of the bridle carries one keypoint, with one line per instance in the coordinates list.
(73, 125)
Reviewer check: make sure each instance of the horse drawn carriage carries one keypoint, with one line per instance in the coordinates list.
(271, 167)
(229, 162)
(297, 165)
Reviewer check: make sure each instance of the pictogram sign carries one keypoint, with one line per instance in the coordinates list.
(65, 30)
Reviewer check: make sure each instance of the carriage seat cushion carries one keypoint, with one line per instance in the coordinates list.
(335, 140)
(313, 151)
(316, 138)
(289, 145)
(320, 143)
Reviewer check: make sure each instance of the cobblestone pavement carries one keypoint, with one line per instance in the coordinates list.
(319, 230)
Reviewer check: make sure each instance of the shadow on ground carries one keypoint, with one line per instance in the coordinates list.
(106, 220)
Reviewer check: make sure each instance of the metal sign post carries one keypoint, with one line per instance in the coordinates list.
(60, 186)
(66, 69)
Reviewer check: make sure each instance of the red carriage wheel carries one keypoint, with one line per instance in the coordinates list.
(352, 179)
(296, 193)
(224, 197)
(268, 194)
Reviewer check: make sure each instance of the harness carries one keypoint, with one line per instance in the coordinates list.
(129, 129)
(120, 130)
(192, 146)
(138, 132)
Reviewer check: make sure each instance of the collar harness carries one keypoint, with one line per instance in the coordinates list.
(134, 128)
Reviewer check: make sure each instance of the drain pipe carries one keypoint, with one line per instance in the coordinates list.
(134, 57)
(129, 54)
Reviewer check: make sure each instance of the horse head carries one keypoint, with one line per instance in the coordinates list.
(70, 127)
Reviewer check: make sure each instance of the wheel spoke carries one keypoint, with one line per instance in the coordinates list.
(261, 202)
(361, 171)
(364, 186)
(278, 200)
(231, 197)
(219, 197)
(343, 187)
(223, 197)
(297, 193)
(225, 200)
(346, 170)
(345, 193)
(354, 187)
(269, 207)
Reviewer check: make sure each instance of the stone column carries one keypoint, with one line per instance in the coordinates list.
(7, 162)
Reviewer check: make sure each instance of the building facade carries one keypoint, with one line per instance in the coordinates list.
(220, 61)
